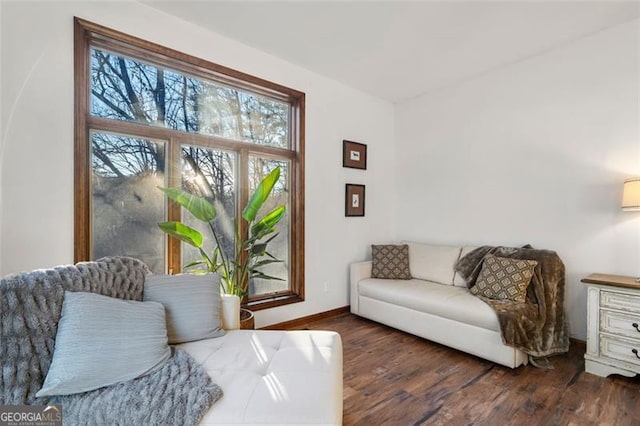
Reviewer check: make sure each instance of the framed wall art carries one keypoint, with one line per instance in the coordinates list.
(354, 155)
(354, 200)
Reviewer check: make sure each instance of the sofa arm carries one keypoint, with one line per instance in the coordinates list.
(357, 271)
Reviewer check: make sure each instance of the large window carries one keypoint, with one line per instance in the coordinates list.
(148, 116)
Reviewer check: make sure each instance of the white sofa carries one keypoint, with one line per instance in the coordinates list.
(435, 304)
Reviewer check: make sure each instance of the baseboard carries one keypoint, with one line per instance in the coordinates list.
(286, 325)
(575, 340)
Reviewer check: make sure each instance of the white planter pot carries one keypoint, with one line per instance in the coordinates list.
(230, 312)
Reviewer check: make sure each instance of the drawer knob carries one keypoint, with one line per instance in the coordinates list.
(635, 352)
(635, 325)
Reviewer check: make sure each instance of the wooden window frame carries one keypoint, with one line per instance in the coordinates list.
(88, 35)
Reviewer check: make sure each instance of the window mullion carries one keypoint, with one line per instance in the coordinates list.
(243, 196)
(147, 131)
(174, 211)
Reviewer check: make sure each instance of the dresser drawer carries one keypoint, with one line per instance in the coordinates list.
(623, 324)
(621, 350)
(621, 301)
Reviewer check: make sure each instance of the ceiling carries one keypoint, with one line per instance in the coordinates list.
(398, 50)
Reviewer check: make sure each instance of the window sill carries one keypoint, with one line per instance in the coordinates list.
(272, 301)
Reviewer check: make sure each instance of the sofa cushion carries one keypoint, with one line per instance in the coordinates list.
(433, 262)
(102, 340)
(446, 301)
(192, 304)
(504, 278)
(457, 278)
(273, 377)
(390, 261)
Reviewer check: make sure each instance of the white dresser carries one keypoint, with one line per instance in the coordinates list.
(613, 325)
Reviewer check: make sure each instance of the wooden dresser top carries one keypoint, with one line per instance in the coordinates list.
(612, 280)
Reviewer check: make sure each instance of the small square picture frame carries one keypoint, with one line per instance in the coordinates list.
(354, 200)
(354, 155)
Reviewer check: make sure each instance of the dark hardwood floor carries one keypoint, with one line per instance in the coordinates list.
(395, 378)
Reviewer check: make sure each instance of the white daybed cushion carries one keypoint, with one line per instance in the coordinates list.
(273, 377)
(457, 279)
(433, 262)
(445, 301)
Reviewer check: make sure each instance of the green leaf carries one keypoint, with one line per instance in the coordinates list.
(267, 224)
(260, 195)
(264, 232)
(214, 256)
(258, 249)
(265, 276)
(197, 206)
(195, 263)
(264, 263)
(266, 253)
(199, 271)
(182, 232)
(271, 238)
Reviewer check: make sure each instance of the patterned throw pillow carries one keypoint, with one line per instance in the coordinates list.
(390, 262)
(504, 278)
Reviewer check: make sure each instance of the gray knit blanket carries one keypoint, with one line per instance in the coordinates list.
(180, 393)
(30, 307)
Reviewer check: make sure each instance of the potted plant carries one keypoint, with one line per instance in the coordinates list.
(250, 251)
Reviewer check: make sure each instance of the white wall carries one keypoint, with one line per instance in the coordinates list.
(37, 146)
(535, 152)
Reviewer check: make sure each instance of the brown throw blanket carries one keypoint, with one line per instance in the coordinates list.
(537, 327)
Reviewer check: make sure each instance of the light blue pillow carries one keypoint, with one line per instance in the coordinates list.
(192, 303)
(102, 341)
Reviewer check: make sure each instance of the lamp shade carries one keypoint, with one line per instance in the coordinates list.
(631, 195)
